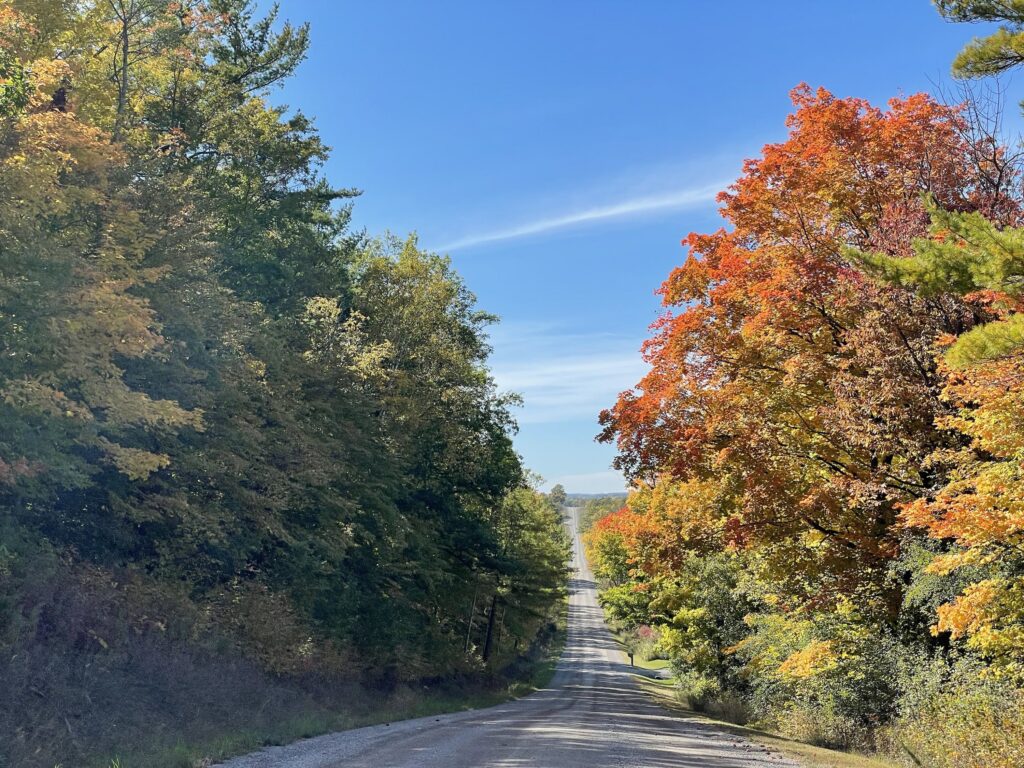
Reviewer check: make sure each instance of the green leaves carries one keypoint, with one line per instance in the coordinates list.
(1002, 50)
(966, 254)
(14, 85)
(992, 341)
(207, 378)
(251, 54)
(982, 10)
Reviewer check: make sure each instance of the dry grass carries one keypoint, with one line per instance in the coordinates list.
(813, 757)
(87, 686)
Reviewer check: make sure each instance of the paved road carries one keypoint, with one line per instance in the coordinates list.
(592, 716)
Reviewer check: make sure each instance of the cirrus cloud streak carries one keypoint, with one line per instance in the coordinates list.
(637, 206)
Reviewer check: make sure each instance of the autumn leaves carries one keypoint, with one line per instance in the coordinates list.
(833, 413)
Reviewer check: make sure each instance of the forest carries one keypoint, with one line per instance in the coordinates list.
(258, 481)
(255, 472)
(826, 532)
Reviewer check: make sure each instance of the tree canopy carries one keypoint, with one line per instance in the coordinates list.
(826, 450)
(210, 379)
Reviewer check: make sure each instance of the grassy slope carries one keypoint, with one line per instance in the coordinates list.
(305, 725)
(663, 692)
(406, 705)
(638, 660)
(813, 757)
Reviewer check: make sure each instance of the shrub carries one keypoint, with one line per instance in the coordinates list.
(958, 719)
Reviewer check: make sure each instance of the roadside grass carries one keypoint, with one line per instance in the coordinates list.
(652, 664)
(638, 660)
(303, 726)
(544, 669)
(408, 704)
(663, 691)
(309, 724)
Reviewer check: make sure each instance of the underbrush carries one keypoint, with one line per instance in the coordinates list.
(92, 669)
(102, 668)
(641, 642)
(963, 721)
(946, 717)
(535, 669)
(725, 706)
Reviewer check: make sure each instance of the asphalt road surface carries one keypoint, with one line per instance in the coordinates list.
(592, 716)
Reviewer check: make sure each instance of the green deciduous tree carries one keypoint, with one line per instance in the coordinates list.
(209, 380)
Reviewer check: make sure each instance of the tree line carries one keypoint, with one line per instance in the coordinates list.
(826, 529)
(222, 407)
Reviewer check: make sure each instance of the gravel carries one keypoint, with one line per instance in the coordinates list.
(591, 716)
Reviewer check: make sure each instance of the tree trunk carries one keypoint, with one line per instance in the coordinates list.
(490, 628)
(497, 634)
(472, 614)
(125, 16)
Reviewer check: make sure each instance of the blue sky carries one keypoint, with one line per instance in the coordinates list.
(560, 150)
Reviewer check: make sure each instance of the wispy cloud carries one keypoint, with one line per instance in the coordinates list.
(680, 199)
(571, 388)
(564, 376)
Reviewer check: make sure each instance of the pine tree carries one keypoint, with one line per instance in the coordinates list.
(968, 255)
(1002, 50)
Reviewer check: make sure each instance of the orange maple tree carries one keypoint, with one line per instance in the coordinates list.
(783, 371)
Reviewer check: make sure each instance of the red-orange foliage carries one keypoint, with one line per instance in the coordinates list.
(654, 533)
(781, 367)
